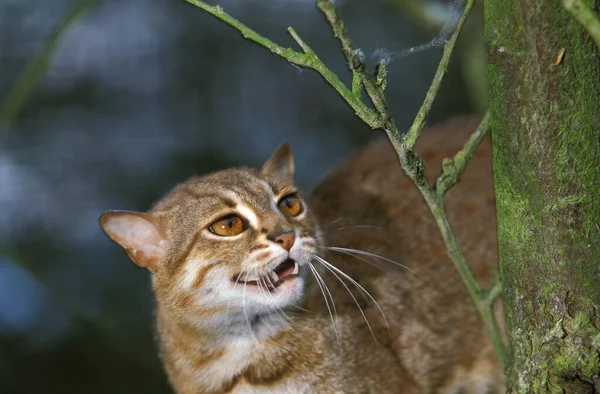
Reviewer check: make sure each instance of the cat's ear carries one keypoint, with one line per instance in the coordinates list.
(138, 234)
(281, 164)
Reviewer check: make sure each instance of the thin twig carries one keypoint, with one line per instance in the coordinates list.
(586, 16)
(413, 168)
(307, 59)
(17, 96)
(430, 14)
(453, 168)
(356, 65)
(412, 164)
(419, 122)
(494, 288)
(382, 118)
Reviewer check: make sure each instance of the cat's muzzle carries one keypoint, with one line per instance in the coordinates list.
(271, 280)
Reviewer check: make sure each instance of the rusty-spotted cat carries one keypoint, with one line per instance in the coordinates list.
(349, 291)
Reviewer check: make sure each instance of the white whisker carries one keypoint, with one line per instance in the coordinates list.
(262, 290)
(326, 265)
(360, 292)
(332, 268)
(355, 256)
(319, 228)
(326, 224)
(289, 319)
(360, 226)
(362, 252)
(325, 286)
(246, 313)
(302, 309)
(235, 284)
(322, 285)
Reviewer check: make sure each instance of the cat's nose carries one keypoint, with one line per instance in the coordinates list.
(286, 240)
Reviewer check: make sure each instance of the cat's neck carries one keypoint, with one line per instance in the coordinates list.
(228, 354)
(219, 330)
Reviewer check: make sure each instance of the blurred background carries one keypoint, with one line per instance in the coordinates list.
(129, 98)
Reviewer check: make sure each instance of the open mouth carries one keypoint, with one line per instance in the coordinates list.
(272, 279)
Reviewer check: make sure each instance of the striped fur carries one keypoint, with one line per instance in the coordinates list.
(218, 335)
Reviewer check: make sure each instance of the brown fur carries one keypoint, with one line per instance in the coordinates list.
(435, 340)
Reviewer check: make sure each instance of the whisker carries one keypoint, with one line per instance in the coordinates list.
(321, 284)
(325, 225)
(326, 264)
(268, 277)
(360, 226)
(360, 292)
(289, 319)
(246, 313)
(302, 309)
(326, 288)
(355, 283)
(259, 284)
(362, 252)
(262, 290)
(355, 256)
(285, 315)
(235, 284)
(322, 227)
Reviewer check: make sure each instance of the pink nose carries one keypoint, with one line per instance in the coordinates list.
(286, 240)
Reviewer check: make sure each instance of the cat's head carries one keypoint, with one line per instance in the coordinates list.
(234, 242)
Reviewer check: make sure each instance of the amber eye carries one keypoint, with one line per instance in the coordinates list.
(227, 226)
(290, 205)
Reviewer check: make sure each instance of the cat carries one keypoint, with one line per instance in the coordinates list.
(259, 290)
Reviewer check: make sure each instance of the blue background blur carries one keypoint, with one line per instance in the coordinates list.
(140, 95)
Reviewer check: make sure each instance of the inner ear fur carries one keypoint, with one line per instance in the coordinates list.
(281, 164)
(138, 233)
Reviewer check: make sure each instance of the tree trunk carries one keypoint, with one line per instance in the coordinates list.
(545, 112)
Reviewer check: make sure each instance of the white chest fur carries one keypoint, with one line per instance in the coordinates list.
(285, 387)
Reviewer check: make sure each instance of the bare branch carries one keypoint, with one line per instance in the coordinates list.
(306, 59)
(35, 70)
(419, 122)
(453, 168)
(431, 14)
(382, 118)
(586, 16)
(356, 65)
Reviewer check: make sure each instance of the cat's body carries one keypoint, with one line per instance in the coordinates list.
(220, 335)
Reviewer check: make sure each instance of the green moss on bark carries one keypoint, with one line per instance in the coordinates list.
(546, 139)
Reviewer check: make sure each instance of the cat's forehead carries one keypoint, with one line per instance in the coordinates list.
(244, 184)
(230, 188)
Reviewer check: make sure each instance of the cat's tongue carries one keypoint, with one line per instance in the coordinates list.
(285, 269)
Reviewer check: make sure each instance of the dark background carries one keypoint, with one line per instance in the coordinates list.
(140, 95)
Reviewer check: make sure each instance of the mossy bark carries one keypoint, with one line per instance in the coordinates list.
(545, 120)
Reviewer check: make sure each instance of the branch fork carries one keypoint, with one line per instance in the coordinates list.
(379, 116)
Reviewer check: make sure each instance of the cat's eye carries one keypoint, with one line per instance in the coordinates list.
(227, 226)
(290, 205)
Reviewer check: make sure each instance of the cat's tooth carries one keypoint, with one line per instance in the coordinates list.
(296, 269)
(248, 278)
(274, 277)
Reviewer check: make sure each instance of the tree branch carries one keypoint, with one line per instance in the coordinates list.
(382, 118)
(453, 168)
(306, 59)
(431, 14)
(586, 16)
(412, 164)
(356, 65)
(35, 70)
(419, 122)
